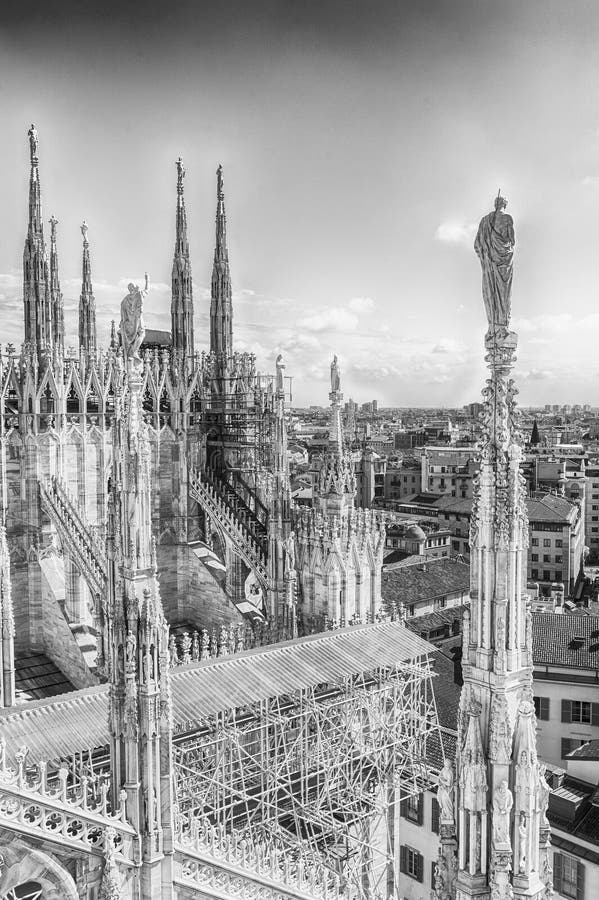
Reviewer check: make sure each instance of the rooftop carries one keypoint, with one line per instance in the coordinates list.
(425, 580)
(565, 640)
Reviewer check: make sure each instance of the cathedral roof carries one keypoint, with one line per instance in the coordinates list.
(78, 721)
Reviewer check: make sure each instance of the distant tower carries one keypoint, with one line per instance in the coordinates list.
(499, 824)
(535, 440)
(182, 292)
(134, 650)
(56, 301)
(221, 307)
(87, 303)
(36, 290)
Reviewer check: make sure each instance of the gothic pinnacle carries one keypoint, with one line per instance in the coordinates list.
(182, 290)
(87, 303)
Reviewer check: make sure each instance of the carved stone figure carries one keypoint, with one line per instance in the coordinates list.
(33, 141)
(445, 793)
(132, 326)
(280, 366)
(130, 645)
(289, 550)
(523, 841)
(494, 245)
(502, 806)
(335, 375)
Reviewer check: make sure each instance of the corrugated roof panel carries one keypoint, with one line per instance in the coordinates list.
(77, 721)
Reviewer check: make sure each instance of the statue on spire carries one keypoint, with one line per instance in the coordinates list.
(84, 230)
(132, 326)
(180, 175)
(494, 246)
(33, 142)
(335, 375)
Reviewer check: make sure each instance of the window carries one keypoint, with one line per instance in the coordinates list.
(559, 575)
(434, 815)
(546, 575)
(546, 557)
(559, 560)
(411, 808)
(594, 528)
(559, 543)
(542, 708)
(411, 862)
(594, 518)
(568, 876)
(535, 542)
(534, 573)
(546, 542)
(534, 557)
(569, 744)
(581, 712)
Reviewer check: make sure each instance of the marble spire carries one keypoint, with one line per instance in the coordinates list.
(182, 291)
(495, 847)
(87, 303)
(56, 301)
(36, 288)
(336, 485)
(135, 647)
(221, 307)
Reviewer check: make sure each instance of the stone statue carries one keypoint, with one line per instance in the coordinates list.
(523, 839)
(280, 369)
(445, 793)
(84, 230)
(335, 375)
(33, 141)
(494, 245)
(132, 326)
(502, 807)
(289, 550)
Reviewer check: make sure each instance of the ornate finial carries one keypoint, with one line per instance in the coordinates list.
(180, 175)
(53, 223)
(33, 142)
(84, 230)
(219, 183)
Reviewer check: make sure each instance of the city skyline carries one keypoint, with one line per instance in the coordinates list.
(360, 149)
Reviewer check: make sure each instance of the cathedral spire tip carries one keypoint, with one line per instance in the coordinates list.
(33, 144)
(180, 176)
(84, 229)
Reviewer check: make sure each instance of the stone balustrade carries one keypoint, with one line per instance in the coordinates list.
(78, 816)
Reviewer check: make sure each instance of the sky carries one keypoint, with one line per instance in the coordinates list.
(361, 143)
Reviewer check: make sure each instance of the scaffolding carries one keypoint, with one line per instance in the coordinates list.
(319, 771)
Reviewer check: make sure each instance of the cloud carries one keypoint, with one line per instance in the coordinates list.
(538, 375)
(455, 233)
(332, 319)
(361, 304)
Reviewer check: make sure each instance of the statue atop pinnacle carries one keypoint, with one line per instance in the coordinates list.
(180, 175)
(84, 230)
(33, 142)
(494, 246)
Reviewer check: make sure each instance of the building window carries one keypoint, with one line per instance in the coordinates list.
(535, 542)
(411, 808)
(546, 542)
(434, 815)
(559, 560)
(534, 557)
(534, 573)
(581, 712)
(559, 575)
(542, 708)
(559, 543)
(546, 575)
(411, 862)
(568, 876)
(546, 557)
